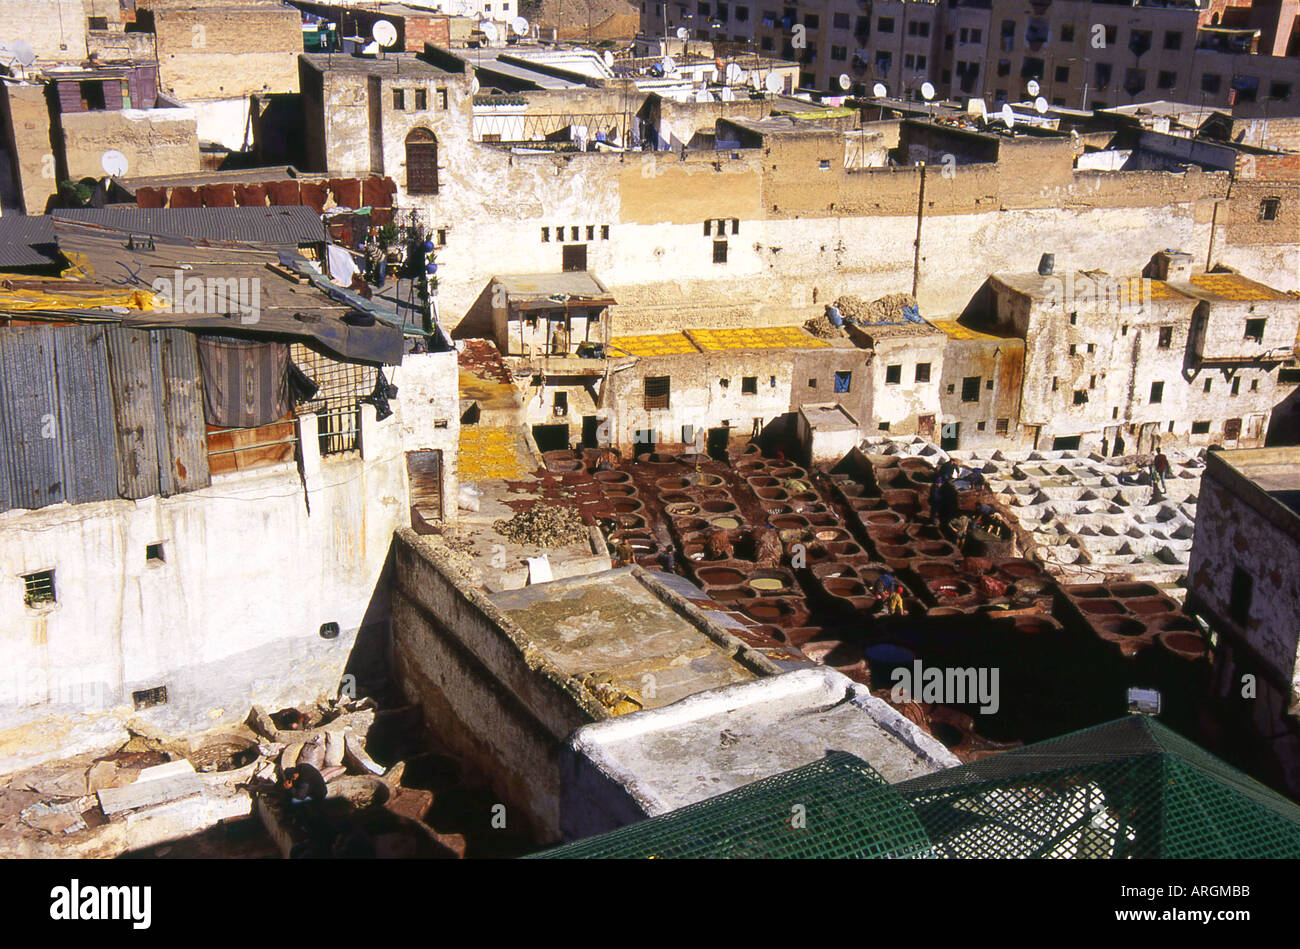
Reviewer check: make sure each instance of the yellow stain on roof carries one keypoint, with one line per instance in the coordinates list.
(1144, 289)
(658, 344)
(488, 452)
(1231, 286)
(958, 331)
(763, 337)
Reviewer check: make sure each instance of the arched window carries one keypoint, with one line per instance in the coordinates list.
(421, 162)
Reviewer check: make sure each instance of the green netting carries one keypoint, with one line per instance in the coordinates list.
(836, 807)
(1130, 788)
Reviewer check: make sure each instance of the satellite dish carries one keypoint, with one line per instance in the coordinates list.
(1032, 86)
(927, 91)
(520, 26)
(879, 90)
(977, 107)
(667, 64)
(113, 162)
(1008, 116)
(489, 30)
(474, 86)
(608, 59)
(385, 33)
(734, 74)
(845, 81)
(773, 83)
(1040, 105)
(24, 55)
(683, 33)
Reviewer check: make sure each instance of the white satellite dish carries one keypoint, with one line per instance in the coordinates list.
(1032, 86)
(24, 55)
(734, 74)
(1008, 117)
(667, 64)
(608, 59)
(845, 81)
(489, 30)
(113, 162)
(773, 83)
(683, 33)
(927, 91)
(977, 107)
(474, 86)
(385, 33)
(1040, 105)
(879, 90)
(520, 26)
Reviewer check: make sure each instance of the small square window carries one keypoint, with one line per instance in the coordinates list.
(147, 698)
(421, 99)
(604, 232)
(708, 228)
(843, 381)
(1073, 349)
(1166, 337)
(38, 588)
(546, 234)
(980, 426)
(922, 372)
(1200, 428)
(883, 426)
(657, 389)
(1268, 209)
(591, 232)
(724, 383)
(735, 225)
(988, 384)
(970, 389)
(952, 387)
(442, 237)
(1157, 392)
(1114, 413)
(1080, 396)
(1092, 348)
(719, 252)
(153, 553)
(1254, 385)
(749, 385)
(812, 383)
(824, 164)
(1056, 384)
(1255, 330)
(399, 100)
(1123, 330)
(893, 375)
(1002, 425)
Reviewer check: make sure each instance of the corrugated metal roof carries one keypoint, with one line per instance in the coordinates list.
(183, 439)
(87, 440)
(27, 241)
(130, 372)
(282, 226)
(29, 450)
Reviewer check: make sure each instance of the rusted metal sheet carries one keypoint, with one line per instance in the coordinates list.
(30, 470)
(87, 433)
(135, 412)
(181, 430)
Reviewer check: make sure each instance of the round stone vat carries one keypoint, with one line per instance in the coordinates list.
(844, 586)
(770, 582)
(935, 548)
(720, 576)
(1102, 608)
(726, 522)
(682, 509)
(789, 522)
(618, 491)
(1016, 568)
(1149, 605)
(1183, 644)
(1133, 590)
(612, 477)
(949, 589)
(882, 518)
(1124, 627)
(717, 507)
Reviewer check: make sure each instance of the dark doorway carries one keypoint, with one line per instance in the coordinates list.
(950, 436)
(590, 428)
(717, 444)
(551, 437)
(1066, 443)
(424, 480)
(643, 441)
(575, 257)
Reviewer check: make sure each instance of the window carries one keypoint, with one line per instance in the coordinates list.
(980, 426)
(824, 164)
(1092, 382)
(840, 21)
(1004, 67)
(970, 389)
(561, 403)
(812, 383)
(1236, 386)
(839, 53)
(1139, 41)
(1073, 349)
(399, 100)
(988, 383)
(719, 252)
(591, 232)
(421, 162)
(1080, 396)
(546, 234)
(1062, 73)
(1207, 384)
(38, 588)
(1092, 348)
(147, 698)
(442, 98)
(1067, 33)
(1254, 385)
(574, 258)
(442, 237)
(1210, 83)
(893, 375)
(153, 553)
(1103, 75)
(1279, 90)
(1001, 426)
(1268, 209)
(1240, 595)
(883, 62)
(421, 99)
(604, 232)
(1173, 40)
(656, 392)
(735, 225)
(1200, 428)
(1255, 330)
(749, 385)
(708, 228)
(843, 381)
(1056, 384)
(1157, 392)
(922, 372)
(885, 24)
(1166, 79)
(1166, 337)
(97, 23)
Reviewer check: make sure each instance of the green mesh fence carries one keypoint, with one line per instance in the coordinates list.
(1130, 788)
(836, 807)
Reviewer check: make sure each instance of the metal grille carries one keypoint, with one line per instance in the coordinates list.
(335, 405)
(656, 392)
(836, 807)
(38, 587)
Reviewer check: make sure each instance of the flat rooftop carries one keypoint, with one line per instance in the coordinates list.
(391, 62)
(717, 741)
(715, 341)
(1275, 471)
(615, 625)
(828, 417)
